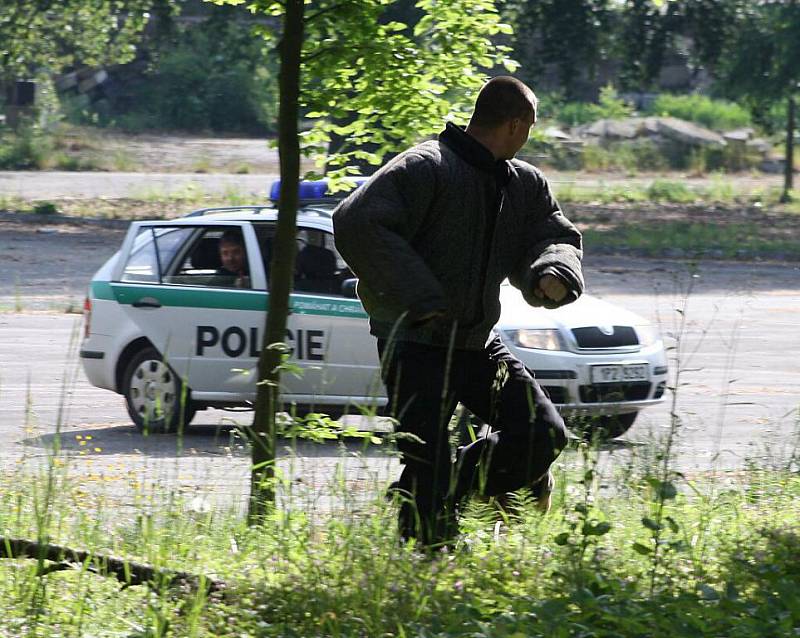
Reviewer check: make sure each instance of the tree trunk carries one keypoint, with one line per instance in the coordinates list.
(262, 484)
(788, 179)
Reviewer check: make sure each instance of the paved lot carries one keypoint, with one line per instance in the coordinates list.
(738, 400)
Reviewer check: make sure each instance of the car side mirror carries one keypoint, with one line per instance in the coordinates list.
(349, 288)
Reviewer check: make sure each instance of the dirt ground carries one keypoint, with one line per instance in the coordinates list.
(156, 153)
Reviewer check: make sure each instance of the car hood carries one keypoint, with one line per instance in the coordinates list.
(585, 311)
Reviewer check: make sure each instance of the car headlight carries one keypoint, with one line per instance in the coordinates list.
(647, 334)
(535, 339)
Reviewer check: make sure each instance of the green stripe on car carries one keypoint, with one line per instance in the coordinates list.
(224, 299)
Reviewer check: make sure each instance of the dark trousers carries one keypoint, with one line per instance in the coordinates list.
(424, 384)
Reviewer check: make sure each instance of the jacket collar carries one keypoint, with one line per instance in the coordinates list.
(474, 153)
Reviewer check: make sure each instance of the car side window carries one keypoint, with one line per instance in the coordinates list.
(217, 258)
(154, 249)
(318, 267)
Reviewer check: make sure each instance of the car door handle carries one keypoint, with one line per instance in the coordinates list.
(147, 302)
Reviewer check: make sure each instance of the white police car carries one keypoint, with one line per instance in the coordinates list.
(173, 329)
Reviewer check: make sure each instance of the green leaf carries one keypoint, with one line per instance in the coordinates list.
(562, 538)
(673, 524)
(598, 529)
(668, 491)
(650, 524)
(665, 490)
(644, 550)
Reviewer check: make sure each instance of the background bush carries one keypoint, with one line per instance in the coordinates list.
(609, 105)
(27, 148)
(212, 76)
(719, 115)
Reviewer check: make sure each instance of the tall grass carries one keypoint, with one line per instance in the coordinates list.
(632, 547)
(722, 563)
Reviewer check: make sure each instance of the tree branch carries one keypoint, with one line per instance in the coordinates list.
(125, 571)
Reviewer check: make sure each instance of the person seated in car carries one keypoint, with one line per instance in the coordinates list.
(233, 272)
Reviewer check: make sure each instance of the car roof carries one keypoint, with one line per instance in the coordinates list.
(306, 213)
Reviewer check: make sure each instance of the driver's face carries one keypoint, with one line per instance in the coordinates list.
(232, 256)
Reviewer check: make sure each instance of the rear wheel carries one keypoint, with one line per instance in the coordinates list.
(156, 397)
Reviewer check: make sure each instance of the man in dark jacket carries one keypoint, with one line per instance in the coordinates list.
(431, 236)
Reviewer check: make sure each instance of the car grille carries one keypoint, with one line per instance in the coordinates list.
(593, 337)
(613, 392)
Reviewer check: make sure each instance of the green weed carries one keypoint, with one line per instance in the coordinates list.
(122, 161)
(662, 190)
(201, 165)
(65, 162)
(45, 208)
(28, 148)
(11, 203)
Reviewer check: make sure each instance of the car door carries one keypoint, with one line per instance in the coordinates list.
(206, 325)
(330, 327)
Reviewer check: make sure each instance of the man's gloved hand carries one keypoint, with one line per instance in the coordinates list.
(550, 287)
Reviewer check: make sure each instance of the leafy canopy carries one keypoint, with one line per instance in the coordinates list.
(53, 35)
(373, 80)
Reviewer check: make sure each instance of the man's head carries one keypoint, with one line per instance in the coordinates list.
(231, 252)
(504, 113)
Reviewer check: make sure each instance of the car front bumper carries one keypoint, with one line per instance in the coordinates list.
(566, 377)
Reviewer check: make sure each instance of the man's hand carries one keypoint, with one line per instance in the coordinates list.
(550, 287)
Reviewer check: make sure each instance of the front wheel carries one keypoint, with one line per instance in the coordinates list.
(156, 397)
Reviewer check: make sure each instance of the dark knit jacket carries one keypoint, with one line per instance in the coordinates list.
(440, 227)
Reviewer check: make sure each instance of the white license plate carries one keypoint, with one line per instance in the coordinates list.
(620, 373)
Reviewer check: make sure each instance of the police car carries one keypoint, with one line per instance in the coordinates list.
(171, 326)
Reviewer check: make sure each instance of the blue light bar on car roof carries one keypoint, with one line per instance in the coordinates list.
(314, 190)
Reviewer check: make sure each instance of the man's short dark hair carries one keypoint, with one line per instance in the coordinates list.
(501, 99)
(233, 237)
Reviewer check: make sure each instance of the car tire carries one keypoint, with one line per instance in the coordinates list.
(606, 426)
(157, 399)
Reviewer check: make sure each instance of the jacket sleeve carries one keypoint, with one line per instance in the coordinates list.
(374, 230)
(556, 249)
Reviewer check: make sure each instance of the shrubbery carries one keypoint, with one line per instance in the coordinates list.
(28, 148)
(719, 115)
(609, 105)
(208, 77)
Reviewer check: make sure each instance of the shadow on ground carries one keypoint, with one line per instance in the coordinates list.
(197, 440)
